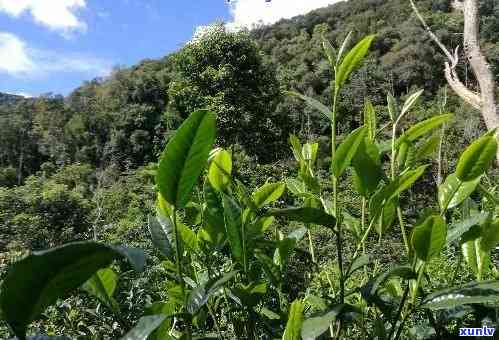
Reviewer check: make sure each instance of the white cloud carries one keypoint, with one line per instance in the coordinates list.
(19, 60)
(58, 15)
(249, 13)
(13, 55)
(22, 94)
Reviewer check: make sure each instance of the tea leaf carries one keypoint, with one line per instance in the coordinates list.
(305, 215)
(477, 158)
(470, 293)
(38, 280)
(233, 220)
(370, 120)
(453, 192)
(429, 237)
(185, 156)
(145, 326)
(202, 293)
(458, 229)
(420, 129)
(410, 101)
(352, 60)
(102, 285)
(268, 193)
(295, 321)
(220, 170)
(346, 151)
(368, 172)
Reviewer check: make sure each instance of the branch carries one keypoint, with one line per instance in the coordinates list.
(450, 66)
(479, 64)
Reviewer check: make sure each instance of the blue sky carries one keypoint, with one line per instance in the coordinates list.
(55, 45)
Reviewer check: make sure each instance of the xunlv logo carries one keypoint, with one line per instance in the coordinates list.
(484, 331)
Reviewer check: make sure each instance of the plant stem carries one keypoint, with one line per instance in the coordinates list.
(333, 151)
(339, 246)
(364, 237)
(402, 230)
(178, 245)
(392, 171)
(399, 310)
(311, 244)
(340, 265)
(363, 225)
(243, 234)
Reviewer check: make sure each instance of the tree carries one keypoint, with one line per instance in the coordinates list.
(225, 72)
(485, 99)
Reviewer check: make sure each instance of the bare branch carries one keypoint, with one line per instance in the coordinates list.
(432, 35)
(450, 67)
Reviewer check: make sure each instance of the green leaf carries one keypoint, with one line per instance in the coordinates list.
(458, 229)
(357, 263)
(371, 290)
(167, 309)
(296, 148)
(347, 150)
(370, 120)
(145, 326)
(422, 128)
(477, 158)
(268, 193)
(269, 267)
(394, 189)
(367, 166)
(314, 103)
(477, 244)
(296, 186)
(295, 320)
(404, 272)
(343, 47)
(214, 211)
(403, 150)
(429, 237)
(309, 152)
(471, 251)
(284, 250)
(314, 327)
(185, 156)
(220, 170)
(428, 147)
(330, 52)
(453, 192)
(102, 285)
(387, 216)
(188, 236)
(233, 221)
(410, 101)
(305, 215)
(200, 295)
(161, 230)
(490, 235)
(38, 280)
(470, 293)
(351, 61)
(392, 107)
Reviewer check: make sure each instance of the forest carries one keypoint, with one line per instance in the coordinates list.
(316, 178)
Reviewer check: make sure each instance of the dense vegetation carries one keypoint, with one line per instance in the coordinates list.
(83, 167)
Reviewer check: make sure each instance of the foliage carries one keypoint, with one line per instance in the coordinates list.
(383, 229)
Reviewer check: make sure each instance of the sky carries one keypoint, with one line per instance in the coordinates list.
(53, 46)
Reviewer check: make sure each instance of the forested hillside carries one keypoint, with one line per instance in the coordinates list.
(82, 166)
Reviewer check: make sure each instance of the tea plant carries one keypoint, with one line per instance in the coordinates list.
(225, 256)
